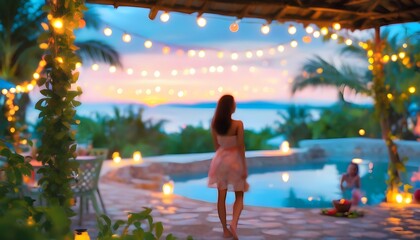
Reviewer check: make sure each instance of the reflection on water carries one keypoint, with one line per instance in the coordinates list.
(310, 185)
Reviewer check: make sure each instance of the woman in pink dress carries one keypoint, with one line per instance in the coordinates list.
(228, 171)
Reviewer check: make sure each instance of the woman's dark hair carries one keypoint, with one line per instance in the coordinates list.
(356, 166)
(222, 117)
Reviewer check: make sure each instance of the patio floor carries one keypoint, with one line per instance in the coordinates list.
(183, 217)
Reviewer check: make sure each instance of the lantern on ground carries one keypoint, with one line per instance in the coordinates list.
(137, 156)
(285, 147)
(168, 188)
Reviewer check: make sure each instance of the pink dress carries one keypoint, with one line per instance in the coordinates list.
(227, 168)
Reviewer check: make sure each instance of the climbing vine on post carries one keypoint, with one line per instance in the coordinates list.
(58, 103)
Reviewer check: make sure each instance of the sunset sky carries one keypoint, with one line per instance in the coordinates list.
(151, 77)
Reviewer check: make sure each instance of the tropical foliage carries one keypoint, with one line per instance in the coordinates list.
(20, 52)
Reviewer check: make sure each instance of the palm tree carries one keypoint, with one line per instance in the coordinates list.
(20, 26)
(390, 91)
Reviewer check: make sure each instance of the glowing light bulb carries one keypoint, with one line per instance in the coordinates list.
(280, 48)
(36, 75)
(401, 55)
(95, 67)
(234, 68)
(349, 42)
(201, 22)
(57, 23)
(148, 44)
(78, 65)
(112, 69)
(107, 31)
(126, 37)
(234, 56)
(411, 89)
(309, 29)
(234, 27)
(364, 200)
(337, 26)
(394, 57)
(334, 36)
(316, 34)
(259, 53)
(385, 58)
(164, 17)
(324, 31)
(191, 53)
(130, 71)
(201, 53)
(362, 132)
(265, 29)
(294, 43)
(30, 87)
(248, 54)
(291, 30)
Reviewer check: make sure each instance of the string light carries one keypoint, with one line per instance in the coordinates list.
(130, 71)
(166, 50)
(309, 29)
(280, 48)
(349, 42)
(394, 57)
(334, 36)
(234, 27)
(248, 54)
(411, 89)
(201, 53)
(293, 43)
(201, 22)
(234, 56)
(385, 58)
(265, 29)
(404, 45)
(324, 30)
(126, 37)
(291, 30)
(57, 23)
(401, 55)
(36, 75)
(107, 31)
(336, 26)
(260, 53)
(164, 17)
(316, 34)
(148, 44)
(112, 69)
(95, 67)
(191, 53)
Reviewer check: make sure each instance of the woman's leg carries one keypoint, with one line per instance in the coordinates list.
(237, 209)
(221, 210)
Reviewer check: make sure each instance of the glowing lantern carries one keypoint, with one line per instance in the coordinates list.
(285, 177)
(81, 234)
(408, 198)
(116, 157)
(168, 188)
(362, 132)
(137, 156)
(30, 221)
(399, 198)
(285, 147)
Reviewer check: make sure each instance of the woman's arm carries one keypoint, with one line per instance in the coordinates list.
(341, 182)
(241, 144)
(214, 137)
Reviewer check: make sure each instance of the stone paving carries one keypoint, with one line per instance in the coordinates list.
(184, 217)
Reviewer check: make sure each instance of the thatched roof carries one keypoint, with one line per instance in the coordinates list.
(351, 14)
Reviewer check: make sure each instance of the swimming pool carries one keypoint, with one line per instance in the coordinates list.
(304, 185)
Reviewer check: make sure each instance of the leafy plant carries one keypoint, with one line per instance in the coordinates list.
(152, 230)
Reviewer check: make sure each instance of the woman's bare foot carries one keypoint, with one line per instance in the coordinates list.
(227, 233)
(233, 231)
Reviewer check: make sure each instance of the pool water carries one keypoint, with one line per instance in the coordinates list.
(307, 185)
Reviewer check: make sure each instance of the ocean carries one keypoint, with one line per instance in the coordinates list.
(255, 116)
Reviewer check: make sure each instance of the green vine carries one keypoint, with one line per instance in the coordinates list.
(58, 103)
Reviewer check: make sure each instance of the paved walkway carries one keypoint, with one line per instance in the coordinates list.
(183, 217)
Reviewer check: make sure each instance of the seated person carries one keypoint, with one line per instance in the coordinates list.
(350, 183)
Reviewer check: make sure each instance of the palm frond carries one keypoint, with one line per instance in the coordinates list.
(99, 52)
(92, 18)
